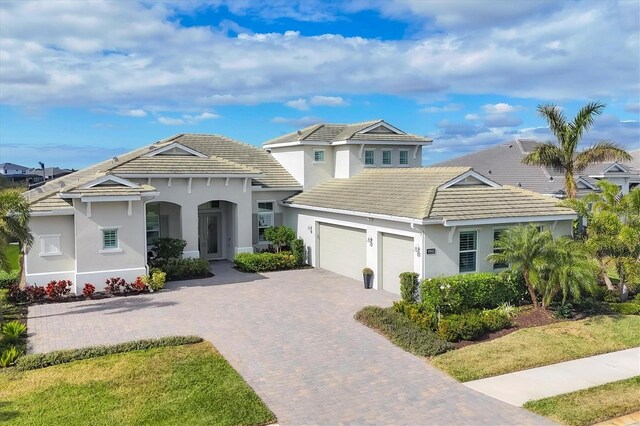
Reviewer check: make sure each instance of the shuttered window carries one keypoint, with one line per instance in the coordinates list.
(50, 245)
(468, 249)
(265, 218)
(109, 239)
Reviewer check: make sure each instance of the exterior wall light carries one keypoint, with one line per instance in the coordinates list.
(370, 241)
(417, 250)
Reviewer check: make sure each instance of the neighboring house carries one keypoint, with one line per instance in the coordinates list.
(503, 164)
(14, 172)
(355, 193)
(48, 174)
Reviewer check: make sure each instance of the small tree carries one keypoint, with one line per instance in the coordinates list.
(409, 286)
(280, 236)
(523, 247)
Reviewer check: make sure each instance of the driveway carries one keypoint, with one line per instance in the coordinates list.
(293, 338)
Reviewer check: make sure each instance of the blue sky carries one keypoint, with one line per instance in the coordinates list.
(83, 81)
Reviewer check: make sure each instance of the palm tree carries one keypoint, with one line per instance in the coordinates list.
(568, 268)
(14, 222)
(523, 247)
(564, 156)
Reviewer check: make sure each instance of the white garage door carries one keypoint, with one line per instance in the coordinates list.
(343, 250)
(397, 257)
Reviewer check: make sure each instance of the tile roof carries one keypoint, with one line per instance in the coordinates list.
(50, 204)
(114, 190)
(329, 133)
(413, 193)
(225, 156)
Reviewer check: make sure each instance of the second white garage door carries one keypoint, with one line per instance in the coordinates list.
(343, 250)
(396, 257)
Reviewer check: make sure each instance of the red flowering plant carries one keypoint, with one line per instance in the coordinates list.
(35, 293)
(139, 286)
(88, 290)
(115, 285)
(56, 290)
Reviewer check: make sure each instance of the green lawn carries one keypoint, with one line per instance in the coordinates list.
(179, 385)
(589, 406)
(533, 347)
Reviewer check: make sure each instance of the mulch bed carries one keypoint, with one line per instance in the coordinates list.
(529, 317)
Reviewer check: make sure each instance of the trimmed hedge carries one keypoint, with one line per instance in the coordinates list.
(265, 261)
(471, 325)
(483, 290)
(625, 308)
(402, 332)
(183, 269)
(35, 361)
(7, 279)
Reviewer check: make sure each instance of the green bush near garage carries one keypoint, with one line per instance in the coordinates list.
(265, 261)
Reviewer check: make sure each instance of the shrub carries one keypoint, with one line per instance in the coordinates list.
(56, 290)
(182, 269)
(298, 249)
(456, 327)
(402, 332)
(7, 279)
(636, 299)
(17, 295)
(626, 308)
(9, 356)
(409, 286)
(591, 306)
(13, 330)
(169, 248)
(35, 293)
(114, 285)
(367, 271)
(264, 262)
(34, 361)
(420, 314)
(496, 319)
(156, 281)
(611, 296)
(280, 236)
(88, 290)
(139, 285)
(463, 292)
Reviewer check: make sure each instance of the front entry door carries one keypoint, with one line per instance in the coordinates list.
(210, 235)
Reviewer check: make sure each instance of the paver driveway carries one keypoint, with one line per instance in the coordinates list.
(292, 336)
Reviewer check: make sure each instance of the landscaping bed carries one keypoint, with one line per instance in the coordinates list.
(538, 346)
(190, 384)
(589, 406)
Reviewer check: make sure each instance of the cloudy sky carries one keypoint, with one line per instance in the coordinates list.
(81, 81)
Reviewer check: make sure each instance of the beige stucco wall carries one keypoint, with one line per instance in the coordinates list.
(42, 269)
(218, 189)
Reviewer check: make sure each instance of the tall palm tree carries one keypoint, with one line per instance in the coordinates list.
(14, 222)
(563, 155)
(523, 247)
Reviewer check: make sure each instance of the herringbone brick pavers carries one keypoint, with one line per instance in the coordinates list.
(293, 338)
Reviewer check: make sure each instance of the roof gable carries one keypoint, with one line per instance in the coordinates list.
(382, 128)
(616, 168)
(175, 149)
(110, 181)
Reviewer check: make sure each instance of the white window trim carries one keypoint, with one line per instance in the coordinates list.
(468, 251)
(364, 163)
(400, 151)
(42, 252)
(324, 156)
(382, 160)
(273, 217)
(116, 249)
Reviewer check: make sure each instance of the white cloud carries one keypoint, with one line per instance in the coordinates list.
(187, 119)
(297, 122)
(499, 108)
(299, 104)
(134, 113)
(328, 101)
(471, 117)
(444, 108)
(79, 54)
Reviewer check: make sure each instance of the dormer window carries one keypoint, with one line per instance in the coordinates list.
(404, 158)
(369, 157)
(386, 157)
(318, 155)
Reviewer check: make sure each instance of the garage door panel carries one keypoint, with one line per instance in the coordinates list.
(397, 257)
(342, 250)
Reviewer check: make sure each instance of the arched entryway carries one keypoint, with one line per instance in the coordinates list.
(216, 236)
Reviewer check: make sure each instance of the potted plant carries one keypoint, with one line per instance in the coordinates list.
(367, 276)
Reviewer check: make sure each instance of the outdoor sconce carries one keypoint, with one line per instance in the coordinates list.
(417, 250)
(310, 228)
(370, 241)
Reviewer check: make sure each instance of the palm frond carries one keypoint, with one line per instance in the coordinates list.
(599, 153)
(585, 118)
(555, 118)
(546, 154)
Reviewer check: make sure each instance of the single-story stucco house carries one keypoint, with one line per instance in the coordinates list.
(356, 194)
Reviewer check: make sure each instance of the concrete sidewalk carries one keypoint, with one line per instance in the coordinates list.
(542, 382)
